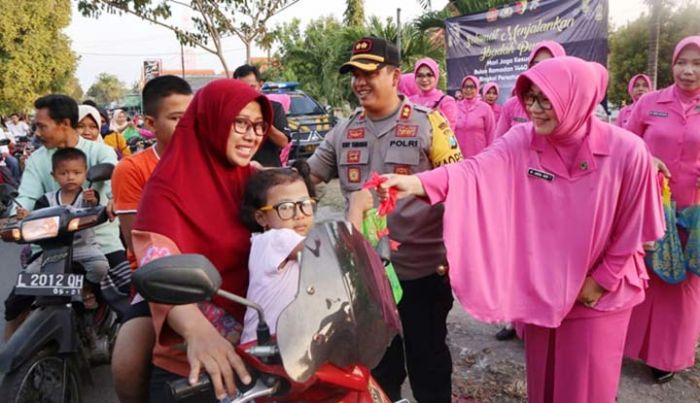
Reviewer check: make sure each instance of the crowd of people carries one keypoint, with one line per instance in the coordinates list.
(551, 214)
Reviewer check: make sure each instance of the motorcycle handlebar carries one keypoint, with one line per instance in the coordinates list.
(180, 390)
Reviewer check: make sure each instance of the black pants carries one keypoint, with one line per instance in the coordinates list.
(423, 350)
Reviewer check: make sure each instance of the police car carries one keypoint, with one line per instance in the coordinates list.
(307, 120)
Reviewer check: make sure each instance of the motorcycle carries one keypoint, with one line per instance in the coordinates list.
(60, 339)
(339, 325)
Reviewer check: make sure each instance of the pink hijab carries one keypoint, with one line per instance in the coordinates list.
(434, 98)
(633, 81)
(553, 47)
(688, 99)
(471, 102)
(525, 243)
(407, 85)
(488, 87)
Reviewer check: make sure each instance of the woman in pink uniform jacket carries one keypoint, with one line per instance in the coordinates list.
(664, 329)
(638, 86)
(512, 112)
(427, 74)
(475, 122)
(491, 93)
(546, 228)
(407, 85)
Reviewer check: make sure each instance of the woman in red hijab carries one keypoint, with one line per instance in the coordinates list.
(191, 205)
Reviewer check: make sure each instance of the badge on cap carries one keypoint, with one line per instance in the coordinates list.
(406, 131)
(353, 156)
(354, 174)
(406, 112)
(362, 46)
(354, 134)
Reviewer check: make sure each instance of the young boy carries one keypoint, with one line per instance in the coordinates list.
(69, 170)
(165, 100)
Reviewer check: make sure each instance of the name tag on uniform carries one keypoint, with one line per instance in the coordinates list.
(540, 174)
(658, 114)
(519, 119)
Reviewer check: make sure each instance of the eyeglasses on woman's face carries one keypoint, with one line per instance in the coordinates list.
(242, 125)
(531, 98)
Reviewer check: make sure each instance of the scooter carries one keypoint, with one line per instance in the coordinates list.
(56, 345)
(339, 325)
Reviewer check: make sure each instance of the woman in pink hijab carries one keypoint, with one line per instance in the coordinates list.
(407, 85)
(475, 122)
(427, 74)
(512, 112)
(491, 93)
(664, 329)
(638, 86)
(546, 228)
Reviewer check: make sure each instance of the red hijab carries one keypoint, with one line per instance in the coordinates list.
(194, 194)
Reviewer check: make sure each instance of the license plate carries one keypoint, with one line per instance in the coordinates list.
(44, 284)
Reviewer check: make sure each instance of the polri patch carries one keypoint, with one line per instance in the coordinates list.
(658, 114)
(353, 156)
(402, 170)
(540, 174)
(354, 174)
(354, 134)
(404, 131)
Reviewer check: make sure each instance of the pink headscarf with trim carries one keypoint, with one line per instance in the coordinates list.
(633, 81)
(477, 97)
(490, 85)
(553, 47)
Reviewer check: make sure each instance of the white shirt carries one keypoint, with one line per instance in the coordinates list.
(18, 130)
(5, 135)
(272, 285)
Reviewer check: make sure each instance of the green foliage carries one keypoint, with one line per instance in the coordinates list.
(354, 13)
(314, 56)
(629, 48)
(106, 89)
(454, 8)
(35, 56)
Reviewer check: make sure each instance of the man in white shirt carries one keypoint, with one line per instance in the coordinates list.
(16, 127)
(6, 159)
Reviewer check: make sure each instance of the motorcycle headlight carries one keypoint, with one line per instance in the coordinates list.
(41, 228)
(77, 224)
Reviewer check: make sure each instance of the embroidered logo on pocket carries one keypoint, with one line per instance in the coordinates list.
(353, 156)
(354, 134)
(354, 174)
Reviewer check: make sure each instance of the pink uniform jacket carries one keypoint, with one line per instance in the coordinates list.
(475, 123)
(435, 99)
(523, 231)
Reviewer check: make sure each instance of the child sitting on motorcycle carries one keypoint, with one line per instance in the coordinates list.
(278, 207)
(69, 170)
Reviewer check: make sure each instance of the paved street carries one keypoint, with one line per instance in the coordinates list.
(102, 391)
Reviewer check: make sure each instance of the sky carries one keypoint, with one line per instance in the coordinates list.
(119, 44)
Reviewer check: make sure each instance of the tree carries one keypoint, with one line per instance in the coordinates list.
(313, 56)
(454, 8)
(212, 20)
(106, 89)
(354, 13)
(35, 56)
(73, 89)
(629, 47)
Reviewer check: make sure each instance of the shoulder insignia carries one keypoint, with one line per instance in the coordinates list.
(406, 112)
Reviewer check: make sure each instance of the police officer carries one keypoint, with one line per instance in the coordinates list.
(389, 134)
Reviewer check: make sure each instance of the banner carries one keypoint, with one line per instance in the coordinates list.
(151, 69)
(495, 45)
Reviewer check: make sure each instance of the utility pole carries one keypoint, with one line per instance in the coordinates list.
(182, 59)
(398, 31)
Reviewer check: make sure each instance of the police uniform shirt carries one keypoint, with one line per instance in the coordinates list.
(411, 140)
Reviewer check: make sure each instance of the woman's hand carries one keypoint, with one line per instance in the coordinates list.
(407, 185)
(590, 292)
(207, 349)
(661, 167)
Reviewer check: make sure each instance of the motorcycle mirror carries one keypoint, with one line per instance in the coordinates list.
(100, 172)
(177, 280)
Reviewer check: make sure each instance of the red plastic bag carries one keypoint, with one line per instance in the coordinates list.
(388, 205)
